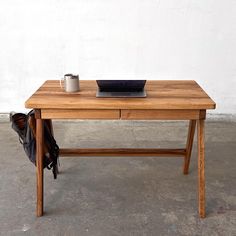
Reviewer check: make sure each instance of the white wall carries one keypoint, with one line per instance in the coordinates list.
(151, 39)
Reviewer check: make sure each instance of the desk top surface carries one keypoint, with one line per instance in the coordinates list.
(161, 94)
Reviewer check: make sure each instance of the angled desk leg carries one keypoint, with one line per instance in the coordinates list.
(39, 162)
(201, 168)
(189, 145)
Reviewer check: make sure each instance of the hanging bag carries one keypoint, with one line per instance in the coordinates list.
(25, 127)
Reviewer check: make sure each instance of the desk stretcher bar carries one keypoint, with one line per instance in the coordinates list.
(122, 152)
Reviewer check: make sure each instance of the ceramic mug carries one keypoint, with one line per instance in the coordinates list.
(70, 83)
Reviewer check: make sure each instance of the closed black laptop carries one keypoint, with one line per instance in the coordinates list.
(121, 88)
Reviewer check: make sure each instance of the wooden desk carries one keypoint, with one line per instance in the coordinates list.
(166, 100)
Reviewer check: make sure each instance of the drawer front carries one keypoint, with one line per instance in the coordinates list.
(80, 114)
(160, 114)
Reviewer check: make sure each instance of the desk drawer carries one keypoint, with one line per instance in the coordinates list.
(80, 114)
(157, 114)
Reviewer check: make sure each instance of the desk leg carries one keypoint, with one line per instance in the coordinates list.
(201, 167)
(189, 145)
(39, 164)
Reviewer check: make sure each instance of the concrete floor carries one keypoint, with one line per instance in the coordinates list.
(101, 196)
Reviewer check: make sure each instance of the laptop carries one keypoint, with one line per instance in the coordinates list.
(121, 88)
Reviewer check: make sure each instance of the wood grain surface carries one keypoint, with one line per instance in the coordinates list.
(161, 114)
(161, 94)
(110, 114)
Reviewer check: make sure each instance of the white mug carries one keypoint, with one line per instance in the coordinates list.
(71, 83)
